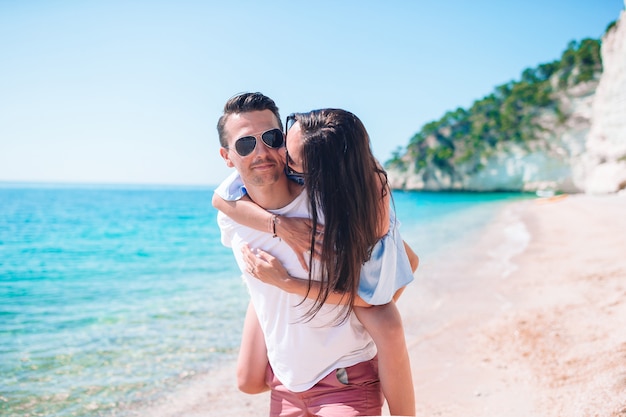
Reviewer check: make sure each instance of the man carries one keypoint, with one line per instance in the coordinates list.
(308, 358)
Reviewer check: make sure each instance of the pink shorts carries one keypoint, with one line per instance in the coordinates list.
(344, 392)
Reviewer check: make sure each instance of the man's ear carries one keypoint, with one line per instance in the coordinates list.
(224, 155)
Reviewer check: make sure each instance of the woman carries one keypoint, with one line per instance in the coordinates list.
(360, 263)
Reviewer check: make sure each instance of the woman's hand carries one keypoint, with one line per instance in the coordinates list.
(296, 232)
(264, 267)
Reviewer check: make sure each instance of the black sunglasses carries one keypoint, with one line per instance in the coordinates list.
(273, 139)
(296, 176)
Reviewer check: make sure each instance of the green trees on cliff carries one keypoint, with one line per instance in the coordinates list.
(507, 114)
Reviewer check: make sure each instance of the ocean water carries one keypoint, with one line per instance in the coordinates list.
(111, 297)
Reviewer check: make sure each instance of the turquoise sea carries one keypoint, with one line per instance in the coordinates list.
(112, 296)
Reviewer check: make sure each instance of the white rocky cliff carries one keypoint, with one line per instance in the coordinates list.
(603, 167)
(583, 149)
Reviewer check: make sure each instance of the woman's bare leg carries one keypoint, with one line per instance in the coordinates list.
(384, 324)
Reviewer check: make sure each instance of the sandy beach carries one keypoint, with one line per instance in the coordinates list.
(536, 324)
(527, 319)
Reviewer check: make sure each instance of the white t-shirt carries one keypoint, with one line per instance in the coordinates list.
(301, 351)
(388, 268)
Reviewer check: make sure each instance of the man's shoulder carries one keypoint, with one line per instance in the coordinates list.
(223, 221)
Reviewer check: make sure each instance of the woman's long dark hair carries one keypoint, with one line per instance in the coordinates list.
(343, 182)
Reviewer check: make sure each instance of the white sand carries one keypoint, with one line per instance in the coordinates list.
(541, 334)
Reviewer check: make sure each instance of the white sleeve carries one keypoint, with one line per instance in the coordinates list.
(227, 228)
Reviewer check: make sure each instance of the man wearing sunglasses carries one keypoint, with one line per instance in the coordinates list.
(305, 354)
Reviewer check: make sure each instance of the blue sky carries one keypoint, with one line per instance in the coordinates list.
(130, 91)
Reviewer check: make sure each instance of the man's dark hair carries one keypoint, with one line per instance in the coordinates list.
(244, 103)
